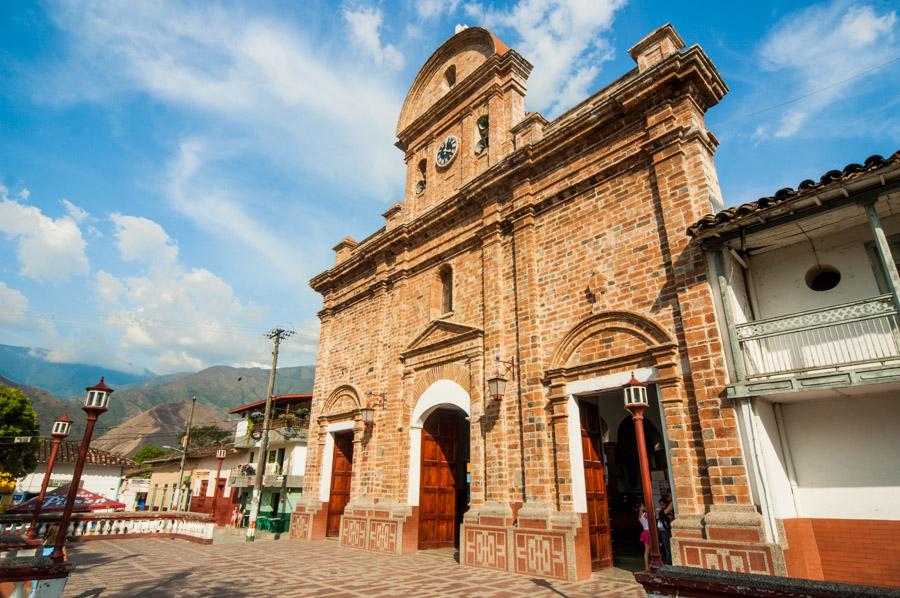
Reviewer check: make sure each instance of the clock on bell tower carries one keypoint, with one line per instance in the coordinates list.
(455, 122)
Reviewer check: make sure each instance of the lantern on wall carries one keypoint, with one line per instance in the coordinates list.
(367, 414)
(497, 382)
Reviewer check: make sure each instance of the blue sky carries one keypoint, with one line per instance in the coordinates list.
(173, 173)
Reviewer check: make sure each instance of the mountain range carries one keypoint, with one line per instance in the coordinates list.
(142, 409)
(29, 366)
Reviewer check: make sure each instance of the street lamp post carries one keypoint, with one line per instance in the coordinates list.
(59, 431)
(220, 456)
(96, 399)
(636, 402)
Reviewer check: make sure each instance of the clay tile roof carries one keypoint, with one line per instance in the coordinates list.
(68, 453)
(806, 187)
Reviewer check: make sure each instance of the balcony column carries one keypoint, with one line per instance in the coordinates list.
(737, 357)
(884, 253)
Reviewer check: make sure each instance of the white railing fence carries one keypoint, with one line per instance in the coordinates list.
(118, 525)
(852, 333)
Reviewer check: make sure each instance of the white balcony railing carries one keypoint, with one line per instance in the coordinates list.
(858, 332)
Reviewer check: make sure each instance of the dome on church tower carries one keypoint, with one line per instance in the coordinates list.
(456, 59)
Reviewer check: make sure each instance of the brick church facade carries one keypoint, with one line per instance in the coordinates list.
(554, 254)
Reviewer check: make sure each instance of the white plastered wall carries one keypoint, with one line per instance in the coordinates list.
(443, 393)
(297, 460)
(845, 454)
(104, 480)
(328, 457)
(779, 276)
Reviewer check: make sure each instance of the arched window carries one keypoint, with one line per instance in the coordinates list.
(420, 184)
(446, 275)
(450, 77)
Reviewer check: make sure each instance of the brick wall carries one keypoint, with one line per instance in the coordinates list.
(568, 256)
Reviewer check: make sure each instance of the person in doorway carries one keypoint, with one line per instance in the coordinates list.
(668, 514)
(665, 530)
(235, 514)
(645, 534)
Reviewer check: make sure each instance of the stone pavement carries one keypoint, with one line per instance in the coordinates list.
(162, 567)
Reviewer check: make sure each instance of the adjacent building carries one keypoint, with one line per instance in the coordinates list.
(282, 481)
(199, 484)
(808, 298)
(551, 255)
(103, 471)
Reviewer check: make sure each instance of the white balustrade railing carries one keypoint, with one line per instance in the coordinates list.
(22, 563)
(116, 525)
(858, 332)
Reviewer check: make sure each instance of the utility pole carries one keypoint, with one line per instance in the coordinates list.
(184, 447)
(277, 335)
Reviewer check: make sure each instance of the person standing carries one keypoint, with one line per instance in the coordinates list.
(663, 524)
(645, 534)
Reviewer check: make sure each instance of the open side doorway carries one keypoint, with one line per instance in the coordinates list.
(613, 477)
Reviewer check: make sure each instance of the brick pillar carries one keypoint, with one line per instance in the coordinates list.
(562, 464)
(536, 467)
(315, 438)
(492, 427)
(683, 180)
(357, 485)
(684, 186)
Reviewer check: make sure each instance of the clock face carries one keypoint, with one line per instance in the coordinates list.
(447, 151)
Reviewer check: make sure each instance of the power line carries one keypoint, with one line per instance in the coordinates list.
(809, 94)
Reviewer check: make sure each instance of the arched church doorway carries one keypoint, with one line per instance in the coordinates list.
(444, 483)
(612, 476)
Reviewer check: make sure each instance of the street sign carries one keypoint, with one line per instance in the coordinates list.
(21, 439)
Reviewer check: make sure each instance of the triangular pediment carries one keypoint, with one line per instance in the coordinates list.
(439, 333)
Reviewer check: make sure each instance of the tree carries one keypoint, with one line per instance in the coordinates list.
(208, 436)
(149, 451)
(17, 419)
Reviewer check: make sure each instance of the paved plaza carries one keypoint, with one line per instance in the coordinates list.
(162, 567)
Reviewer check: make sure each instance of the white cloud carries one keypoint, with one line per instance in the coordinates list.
(180, 318)
(562, 39)
(218, 210)
(821, 48)
(75, 213)
(365, 25)
(143, 240)
(429, 9)
(175, 318)
(13, 305)
(304, 105)
(48, 249)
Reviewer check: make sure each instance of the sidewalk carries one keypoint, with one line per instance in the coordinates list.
(161, 567)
